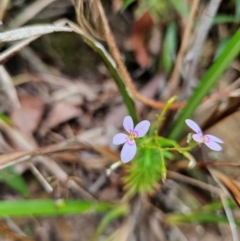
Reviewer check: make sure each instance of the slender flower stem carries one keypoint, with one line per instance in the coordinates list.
(161, 117)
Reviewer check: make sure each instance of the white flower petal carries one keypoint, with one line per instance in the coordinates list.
(214, 138)
(128, 124)
(197, 138)
(213, 145)
(120, 138)
(128, 152)
(194, 126)
(142, 128)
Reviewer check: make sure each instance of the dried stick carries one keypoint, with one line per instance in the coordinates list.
(14, 49)
(230, 217)
(122, 69)
(57, 171)
(194, 182)
(174, 79)
(48, 188)
(29, 12)
(205, 25)
(224, 192)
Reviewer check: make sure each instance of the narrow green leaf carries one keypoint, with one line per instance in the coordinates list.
(110, 217)
(181, 7)
(215, 206)
(237, 11)
(5, 118)
(211, 77)
(206, 214)
(14, 180)
(221, 47)
(23, 208)
(221, 19)
(199, 218)
(169, 47)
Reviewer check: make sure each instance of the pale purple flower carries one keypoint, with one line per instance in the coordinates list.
(130, 148)
(209, 140)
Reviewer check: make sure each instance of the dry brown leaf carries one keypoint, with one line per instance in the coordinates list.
(10, 157)
(28, 117)
(60, 113)
(231, 185)
(138, 39)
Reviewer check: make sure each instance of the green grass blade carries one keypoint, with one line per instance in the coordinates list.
(237, 11)
(215, 206)
(169, 47)
(14, 180)
(6, 119)
(181, 7)
(223, 19)
(110, 217)
(221, 47)
(206, 214)
(231, 50)
(198, 218)
(26, 208)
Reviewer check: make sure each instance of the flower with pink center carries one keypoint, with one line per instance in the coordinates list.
(130, 148)
(209, 140)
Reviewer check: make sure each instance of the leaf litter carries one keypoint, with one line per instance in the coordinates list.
(62, 126)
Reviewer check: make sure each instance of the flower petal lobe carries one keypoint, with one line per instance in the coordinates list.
(128, 152)
(119, 139)
(193, 125)
(214, 138)
(128, 124)
(213, 145)
(197, 138)
(142, 128)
